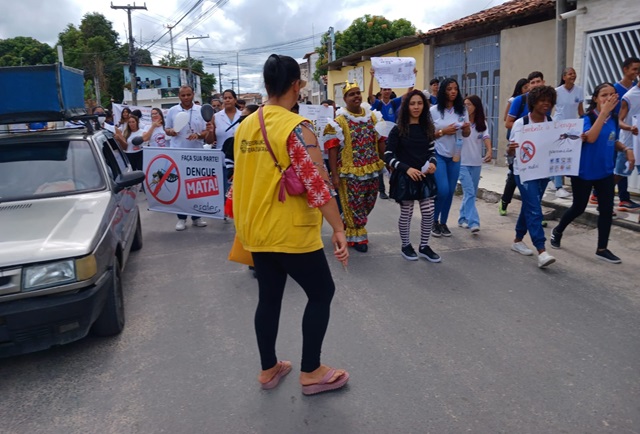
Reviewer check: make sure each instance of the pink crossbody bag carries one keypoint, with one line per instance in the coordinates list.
(289, 181)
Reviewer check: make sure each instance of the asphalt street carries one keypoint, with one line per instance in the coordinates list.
(484, 342)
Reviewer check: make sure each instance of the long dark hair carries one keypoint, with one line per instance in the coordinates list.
(593, 104)
(279, 74)
(458, 103)
(425, 121)
(157, 110)
(565, 71)
(479, 117)
(517, 91)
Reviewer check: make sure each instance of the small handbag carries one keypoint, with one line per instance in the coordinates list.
(239, 254)
(289, 181)
(402, 187)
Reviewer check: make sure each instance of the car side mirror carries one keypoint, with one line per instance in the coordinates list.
(129, 179)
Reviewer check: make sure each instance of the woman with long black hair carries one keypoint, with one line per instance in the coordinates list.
(410, 153)
(451, 124)
(600, 140)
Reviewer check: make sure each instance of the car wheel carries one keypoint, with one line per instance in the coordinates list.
(111, 319)
(136, 244)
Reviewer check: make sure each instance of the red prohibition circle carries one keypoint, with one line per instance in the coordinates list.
(527, 151)
(155, 191)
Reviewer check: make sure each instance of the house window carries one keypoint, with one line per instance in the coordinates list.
(168, 81)
(605, 52)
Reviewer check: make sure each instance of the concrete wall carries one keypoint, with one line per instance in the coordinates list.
(522, 50)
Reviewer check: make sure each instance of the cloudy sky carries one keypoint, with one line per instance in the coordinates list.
(242, 33)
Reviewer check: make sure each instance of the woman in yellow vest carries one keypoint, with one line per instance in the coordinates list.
(284, 236)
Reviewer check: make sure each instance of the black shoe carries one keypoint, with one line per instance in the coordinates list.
(408, 253)
(361, 247)
(556, 238)
(428, 254)
(383, 195)
(607, 256)
(445, 230)
(435, 230)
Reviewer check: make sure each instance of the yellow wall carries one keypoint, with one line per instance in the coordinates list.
(417, 52)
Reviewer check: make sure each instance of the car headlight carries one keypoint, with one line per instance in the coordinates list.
(58, 273)
(51, 274)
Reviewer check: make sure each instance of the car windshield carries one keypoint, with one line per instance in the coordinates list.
(45, 169)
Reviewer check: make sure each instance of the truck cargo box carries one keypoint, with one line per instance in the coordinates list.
(40, 93)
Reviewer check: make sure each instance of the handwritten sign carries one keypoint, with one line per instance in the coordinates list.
(319, 115)
(394, 72)
(548, 149)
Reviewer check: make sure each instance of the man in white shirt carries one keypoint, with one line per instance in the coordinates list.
(191, 135)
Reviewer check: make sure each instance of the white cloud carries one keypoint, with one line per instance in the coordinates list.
(236, 25)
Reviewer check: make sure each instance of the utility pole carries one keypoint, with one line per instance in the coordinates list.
(171, 37)
(238, 70)
(132, 55)
(189, 74)
(332, 38)
(233, 81)
(219, 73)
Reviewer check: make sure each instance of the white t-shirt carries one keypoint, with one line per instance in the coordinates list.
(158, 138)
(130, 146)
(567, 102)
(195, 125)
(445, 145)
(472, 146)
(223, 122)
(632, 97)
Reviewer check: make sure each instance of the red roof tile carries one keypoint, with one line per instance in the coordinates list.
(510, 10)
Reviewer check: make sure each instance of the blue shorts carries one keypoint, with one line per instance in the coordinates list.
(621, 168)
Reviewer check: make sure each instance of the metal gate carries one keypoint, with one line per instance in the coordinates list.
(605, 51)
(475, 64)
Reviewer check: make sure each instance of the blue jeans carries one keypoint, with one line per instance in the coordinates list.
(446, 174)
(557, 181)
(469, 178)
(530, 218)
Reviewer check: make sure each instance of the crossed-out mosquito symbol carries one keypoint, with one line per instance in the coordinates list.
(567, 136)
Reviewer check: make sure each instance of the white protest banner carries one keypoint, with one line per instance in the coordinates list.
(319, 115)
(146, 113)
(184, 181)
(394, 72)
(548, 149)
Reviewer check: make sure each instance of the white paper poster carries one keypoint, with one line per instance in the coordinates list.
(394, 72)
(548, 149)
(184, 181)
(146, 113)
(319, 115)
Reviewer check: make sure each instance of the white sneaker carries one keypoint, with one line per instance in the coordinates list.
(561, 193)
(181, 225)
(521, 248)
(199, 223)
(545, 259)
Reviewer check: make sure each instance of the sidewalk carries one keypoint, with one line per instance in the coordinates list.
(492, 184)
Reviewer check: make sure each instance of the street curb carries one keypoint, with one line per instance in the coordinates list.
(587, 218)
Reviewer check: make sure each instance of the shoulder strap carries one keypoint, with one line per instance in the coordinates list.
(525, 120)
(266, 140)
(549, 118)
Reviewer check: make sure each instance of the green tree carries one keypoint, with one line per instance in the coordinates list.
(25, 51)
(364, 32)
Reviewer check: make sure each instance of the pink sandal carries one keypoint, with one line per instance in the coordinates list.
(324, 386)
(283, 369)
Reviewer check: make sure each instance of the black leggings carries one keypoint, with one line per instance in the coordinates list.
(312, 273)
(581, 191)
(509, 187)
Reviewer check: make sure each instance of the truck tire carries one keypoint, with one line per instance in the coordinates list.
(111, 319)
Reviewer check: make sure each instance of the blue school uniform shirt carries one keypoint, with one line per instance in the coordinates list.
(621, 90)
(389, 111)
(596, 159)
